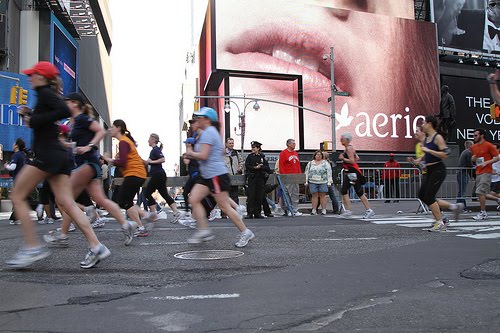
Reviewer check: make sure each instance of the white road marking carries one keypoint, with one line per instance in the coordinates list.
(343, 239)
(481, 236)
(162, 243)
(189, 297)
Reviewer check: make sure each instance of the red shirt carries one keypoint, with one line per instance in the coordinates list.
(289, 162)
(486, 151)
(391, 174)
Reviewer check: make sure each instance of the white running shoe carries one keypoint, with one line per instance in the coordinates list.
(25, 257)
(481, 216)
(39, 211)
(200, 236)
(245, 237)
(297, 213)
(129, 232)
(91, 213)
(346, 213)
(369, 214)
(92, 258)
(99, 223)
(177, 216)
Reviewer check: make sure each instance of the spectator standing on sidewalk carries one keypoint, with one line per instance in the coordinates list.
(391, 178)
(484, 154)
(352, 177)
(257, 171)
(234, 163)
(289, 163)
(318, 180)
(465, 172)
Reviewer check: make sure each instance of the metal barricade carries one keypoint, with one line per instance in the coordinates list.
(405, 184)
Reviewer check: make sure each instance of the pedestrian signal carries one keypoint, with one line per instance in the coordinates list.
(326, 146)
(495, 111)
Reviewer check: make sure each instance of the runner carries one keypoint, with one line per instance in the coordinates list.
(435, 151)
(51, 162)
(158, 179)
(86, 134)
(134, 173)
(214, 179)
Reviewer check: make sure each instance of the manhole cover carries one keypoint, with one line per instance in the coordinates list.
(208, 254)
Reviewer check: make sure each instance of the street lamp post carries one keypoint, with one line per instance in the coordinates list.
(332, 103)
(241, 117)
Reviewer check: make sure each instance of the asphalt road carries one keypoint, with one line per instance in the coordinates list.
(311, 273)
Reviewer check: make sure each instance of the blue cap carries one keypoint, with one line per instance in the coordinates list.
(190, 141)
(207, 112)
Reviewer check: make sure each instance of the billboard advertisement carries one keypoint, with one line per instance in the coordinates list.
(468, 24)
(390, 88)
(15, 91)
(472, 101)
(64, 55)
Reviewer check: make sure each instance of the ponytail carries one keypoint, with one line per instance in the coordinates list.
(88, 110)
(123, 129)
(161, 145)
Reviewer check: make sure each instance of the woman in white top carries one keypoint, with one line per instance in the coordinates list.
(318, 179)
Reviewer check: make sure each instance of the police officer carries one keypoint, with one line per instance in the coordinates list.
(257, 171)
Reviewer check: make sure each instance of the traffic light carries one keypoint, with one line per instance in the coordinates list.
(23, 97)
(326, 146)
(18, 95)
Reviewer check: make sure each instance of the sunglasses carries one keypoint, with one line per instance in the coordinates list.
(492, 4)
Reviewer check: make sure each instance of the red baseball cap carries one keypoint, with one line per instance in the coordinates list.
(391, 155)
(64, 129)
(43, 68)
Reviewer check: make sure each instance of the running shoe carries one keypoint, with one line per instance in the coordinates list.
(314, 212)
(141, 232)
(47, 220)
(99, 223)
(480, 216)
(162, 215)
(91, 213)
(369, 214)
(16, 222)
(102, 212)
(200, 236)
(346, 213)
(438, 226)
(129, 231)
(56, 239)
(39, 211)
(71, 227)
(446, 223)
(242, 210)
(323, 212)
(459, 207)
(213, 215)
(26, 257)
(92, 258)
(151, 217)
(297, 213)
(177, 216)
(245, 237)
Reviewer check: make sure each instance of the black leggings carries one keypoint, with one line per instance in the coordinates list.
(158, 181)
(431, 182)
(128, 190)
